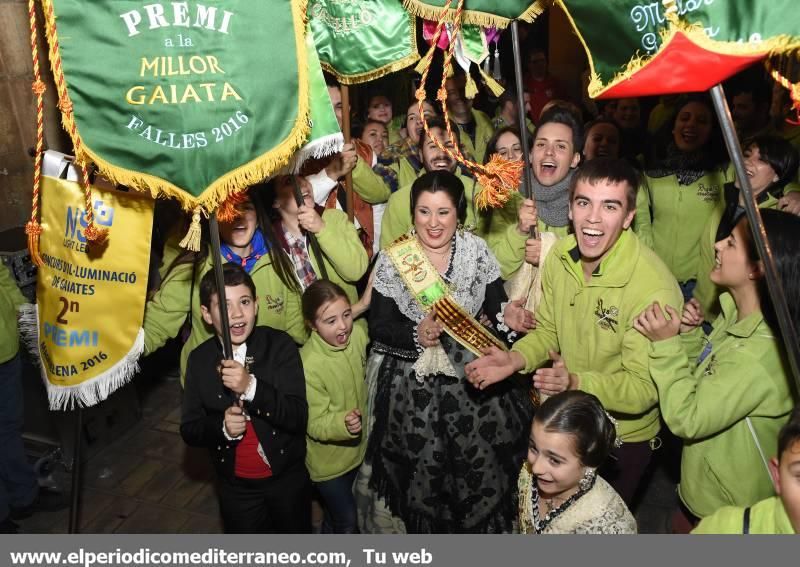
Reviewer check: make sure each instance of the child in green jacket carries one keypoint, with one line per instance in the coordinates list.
(334, 360)
(727, 395)
(776, 515)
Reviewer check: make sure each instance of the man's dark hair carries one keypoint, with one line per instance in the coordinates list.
(232, 275)
(560, 115)
(611, 170)
(438, 122)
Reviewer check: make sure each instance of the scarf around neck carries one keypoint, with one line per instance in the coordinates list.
(686, 167)
(260, 248)
(552, 203)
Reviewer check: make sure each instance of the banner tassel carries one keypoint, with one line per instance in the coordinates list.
(497, 73)
(470, 89)
(419, 68)
(496, 88)
(192, 239)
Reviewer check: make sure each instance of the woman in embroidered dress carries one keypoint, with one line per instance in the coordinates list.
(559, 490)
(441, 455)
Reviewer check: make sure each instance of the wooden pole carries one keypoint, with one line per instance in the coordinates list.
(523, 129)
(348, 179)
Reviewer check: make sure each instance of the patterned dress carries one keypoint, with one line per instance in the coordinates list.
(598, 510)
(442, 456)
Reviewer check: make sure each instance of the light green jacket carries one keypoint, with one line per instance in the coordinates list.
(706, 404)
(369, 185)
(591, 325)
(278, 306)
(679, 213)
(510, 248)
(484, 130)
(335, 385)
(767, 517)
(11, 299)
(397, 218)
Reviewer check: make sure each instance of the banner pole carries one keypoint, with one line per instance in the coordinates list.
(348, 179)
(312, 238)
(227, 347)
(523, 129)
(74, 505)
(759, 233)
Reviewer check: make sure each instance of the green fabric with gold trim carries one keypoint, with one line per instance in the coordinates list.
(326, 137)
(498, 13)
(730, 29)
(190, 99)
(362, 40)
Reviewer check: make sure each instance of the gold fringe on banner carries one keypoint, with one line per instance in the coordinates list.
(238, 179)
(536, 10)
(472, 17)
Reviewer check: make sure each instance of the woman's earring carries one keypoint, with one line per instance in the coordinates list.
(585, 483)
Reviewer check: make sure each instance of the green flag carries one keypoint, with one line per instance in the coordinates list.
(362, 40)
(497, 13)
(710, 41)
(189, 99)
(326, 137)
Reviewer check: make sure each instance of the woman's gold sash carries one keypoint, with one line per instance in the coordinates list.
(433, 294)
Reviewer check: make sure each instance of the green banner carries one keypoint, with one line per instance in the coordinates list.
(636, 27)
(498, 13)
(326, 137)
(362, 40)
(189, 99)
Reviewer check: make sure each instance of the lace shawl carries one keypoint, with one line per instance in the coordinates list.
(472, 266)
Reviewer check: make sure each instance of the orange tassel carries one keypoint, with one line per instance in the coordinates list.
(498, 179)
(95, 235)
(33, 229)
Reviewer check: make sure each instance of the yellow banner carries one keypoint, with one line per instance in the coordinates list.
(90, 302)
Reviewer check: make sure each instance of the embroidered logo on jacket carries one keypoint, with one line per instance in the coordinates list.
(712, 362)
(274, 303)
(708, 193)
(606, 316)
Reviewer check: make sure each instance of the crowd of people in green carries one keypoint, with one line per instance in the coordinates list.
(430, 367)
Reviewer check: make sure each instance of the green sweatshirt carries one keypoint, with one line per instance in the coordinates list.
(679, 213)
(591, 324)
(279, 307)
(707, 292)
(332, 450)
(369, 185)
(510, 248)
(484, 130)
(767, 517)
(11, 299)
(345, 256)
(706, 404)
(397, 218)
